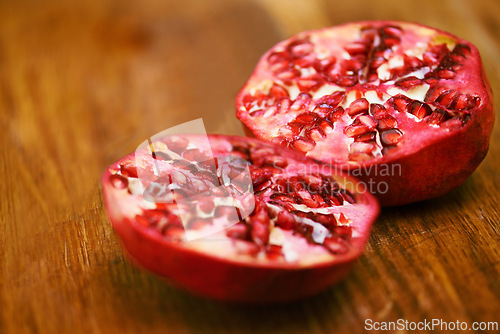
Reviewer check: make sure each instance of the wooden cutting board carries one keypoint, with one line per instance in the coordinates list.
(82, 83)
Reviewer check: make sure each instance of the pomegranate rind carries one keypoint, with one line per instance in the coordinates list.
(428, 162)
(194, 267)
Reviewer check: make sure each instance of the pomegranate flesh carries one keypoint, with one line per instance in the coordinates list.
(404, 107)
(287, 229)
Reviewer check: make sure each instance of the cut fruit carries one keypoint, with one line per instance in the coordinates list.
(238, 219)
(404, 107)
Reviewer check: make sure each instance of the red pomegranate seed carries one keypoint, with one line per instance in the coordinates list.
(400, 103)
(359, 106)
(420, 110)
(335, 114)
(300, 48)
(237, 231)
(367, 137)
(303, 145)
(391, 137)
(355, 130)
(306, 118)
(278, 92)
(332, 100)
(377, 110)
(447, 98)
(388, 122)
(408, 82)
(206, 205)
(128, 170)
(437, 116)
(336, 245)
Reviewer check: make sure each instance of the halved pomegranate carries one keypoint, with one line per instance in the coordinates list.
(404, 107)
(188, 212)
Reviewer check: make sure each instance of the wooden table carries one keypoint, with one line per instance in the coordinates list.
(82, 83)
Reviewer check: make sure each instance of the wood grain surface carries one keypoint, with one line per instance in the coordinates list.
(82, 83)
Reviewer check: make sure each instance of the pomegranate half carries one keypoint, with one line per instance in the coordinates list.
(238, 219)
(404, 107)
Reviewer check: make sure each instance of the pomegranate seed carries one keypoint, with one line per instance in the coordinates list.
(303, 145)
(326, 126)
(437, 116)
(278, 57)
(260, 233)
(290, 130)
(433, 93)
(420, 110)
(288, 74)
(260, 175)
(206, 205)
(274, 252)
(412, 62)
(285, 220)
(311, 83)
(446, 74)
(391, 137)
(346, 194)
(301, 102)
(355, 130)
(315, 134)
(377, 110)
(283, 105)
(300, 48)
(358, 106)
(388, 122)
(237, 231)
(118, 181)
(335, 114)
(346, 80)
(355, 48)
(278, 92)
(257, 113)
(262, 186)
(368, 121)
(345, 232)
(324, 65)
(332, 100)
(408, 82)
(370, 136)
(336, 245)
(447, 98)
(129, 170)
(248, 101)
(306, 118)
(334, 199)
(400, 103)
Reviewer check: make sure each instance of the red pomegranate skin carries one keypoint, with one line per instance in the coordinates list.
(431, 155)
(215, 269)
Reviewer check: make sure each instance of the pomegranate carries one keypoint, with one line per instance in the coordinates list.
(239, 219)
(404, 107)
